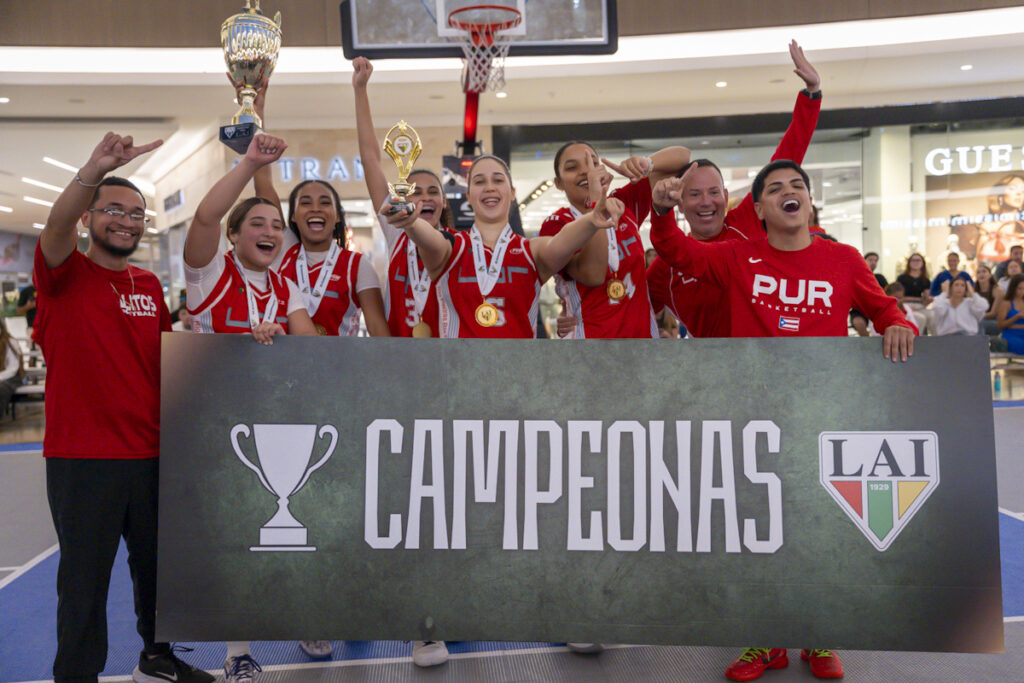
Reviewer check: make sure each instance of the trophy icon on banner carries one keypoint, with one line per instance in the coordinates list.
(402, 144)
(251, 43)
(283, 452)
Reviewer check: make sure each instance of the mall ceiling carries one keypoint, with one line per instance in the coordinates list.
(60, 111)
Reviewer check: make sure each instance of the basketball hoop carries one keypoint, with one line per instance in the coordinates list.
(484, 48)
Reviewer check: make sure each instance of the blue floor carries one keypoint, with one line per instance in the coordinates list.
(28, 622)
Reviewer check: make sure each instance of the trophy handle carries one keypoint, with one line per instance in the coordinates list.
(244, 430)
(326, 429)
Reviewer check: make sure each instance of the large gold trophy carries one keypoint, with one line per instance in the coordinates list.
(402, 144)
(251, 43)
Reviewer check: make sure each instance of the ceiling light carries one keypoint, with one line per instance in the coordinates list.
(4, 100)
(39, 225)
(721, 84)
(827, 184)
(152, 230)
(6, 209)
(150, 212)
(501, 94)
(41, 202)
(60, 164)
(45, 186)
(966, 67)
(705, 142)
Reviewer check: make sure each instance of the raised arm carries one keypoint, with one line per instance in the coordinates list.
(59, 238)
(551, 254)
(369, 146)
(662, 164)
(203, 238)
(263, 181)
(434, 247)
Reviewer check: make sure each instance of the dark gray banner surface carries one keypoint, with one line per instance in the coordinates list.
(784, 493)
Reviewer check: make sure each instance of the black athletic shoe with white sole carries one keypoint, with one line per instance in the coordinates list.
(167, 667)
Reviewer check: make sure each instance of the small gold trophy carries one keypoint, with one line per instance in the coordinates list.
(251, 43)
(402, 144)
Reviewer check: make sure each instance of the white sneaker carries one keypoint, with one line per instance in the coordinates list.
(429, 652)
(585, 648)
(317, 649)
(242, 669)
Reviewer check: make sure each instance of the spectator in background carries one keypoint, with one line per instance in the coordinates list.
(1012, 268)
(988, 290)
(916, 285)
(959, 309)
(858, 320)
(1016, 254)
(11, 369)
(939, 284)
(1011, 315)
(27, 306)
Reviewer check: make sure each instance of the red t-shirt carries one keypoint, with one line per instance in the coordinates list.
(599, 316)
(226, 309)
(399, 305)
(700, 305)
(775, 293)
(338, 312)
(99, 330)
(516, 294)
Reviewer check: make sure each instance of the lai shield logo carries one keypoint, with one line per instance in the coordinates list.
(879, 479)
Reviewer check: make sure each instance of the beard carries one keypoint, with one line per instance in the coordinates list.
(114, 250)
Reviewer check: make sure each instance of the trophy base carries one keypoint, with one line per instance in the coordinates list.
(397, 206)
(239, 135)
(283, 536)
(283, 548)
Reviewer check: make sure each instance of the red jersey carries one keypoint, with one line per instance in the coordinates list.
(775, 293)
(399, 304)
(700, 305)
(99, 330)
(226, 309)
(516, 294)
(338, 312)
(599, 315)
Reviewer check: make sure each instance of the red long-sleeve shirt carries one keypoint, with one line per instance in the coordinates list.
(776, 293)
(701, 306)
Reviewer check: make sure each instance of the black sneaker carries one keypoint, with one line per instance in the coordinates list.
(167, 667)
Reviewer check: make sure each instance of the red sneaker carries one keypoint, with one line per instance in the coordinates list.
(753, 662)
(824, 663)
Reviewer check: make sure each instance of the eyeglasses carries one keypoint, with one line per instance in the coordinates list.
(118, 213)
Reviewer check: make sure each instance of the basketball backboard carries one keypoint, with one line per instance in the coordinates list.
(410, 29)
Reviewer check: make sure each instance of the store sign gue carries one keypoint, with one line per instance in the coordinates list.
(970, 159)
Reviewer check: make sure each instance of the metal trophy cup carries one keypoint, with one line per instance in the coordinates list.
(284, 452)
(251, 43)
(402, 144)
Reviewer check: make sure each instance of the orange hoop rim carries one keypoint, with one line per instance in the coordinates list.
(484, 29)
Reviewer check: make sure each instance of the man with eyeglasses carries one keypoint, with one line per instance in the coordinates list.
(99, 326)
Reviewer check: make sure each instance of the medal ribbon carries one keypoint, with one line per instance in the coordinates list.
(419, 280)
(270, 312)
(487, 275)
(313, 298)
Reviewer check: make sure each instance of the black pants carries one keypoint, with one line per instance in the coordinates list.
(94, 502)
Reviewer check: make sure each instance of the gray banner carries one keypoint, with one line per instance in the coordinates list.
(792, 493)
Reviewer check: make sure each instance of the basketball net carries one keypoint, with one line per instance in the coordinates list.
(484, 44)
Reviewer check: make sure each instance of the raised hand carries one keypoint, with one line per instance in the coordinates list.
(401, 219)
(634, 168)
(608, 211)
(362, 69)
(260, 102)
(804, 69)
(265, 149)
(116, 151)
(669, 191)
(598, 180)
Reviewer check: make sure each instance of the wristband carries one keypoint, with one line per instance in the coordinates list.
(650, 167)
(657, 210)
(816, 95)
(78, 179)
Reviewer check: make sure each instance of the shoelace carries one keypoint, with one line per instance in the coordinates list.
(821, 653)
(753, 653)
(177, 663)
(245, 666)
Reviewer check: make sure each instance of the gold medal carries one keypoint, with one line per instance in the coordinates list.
(616, 290)
(486, 315)
(421, 330)
(320, 329)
